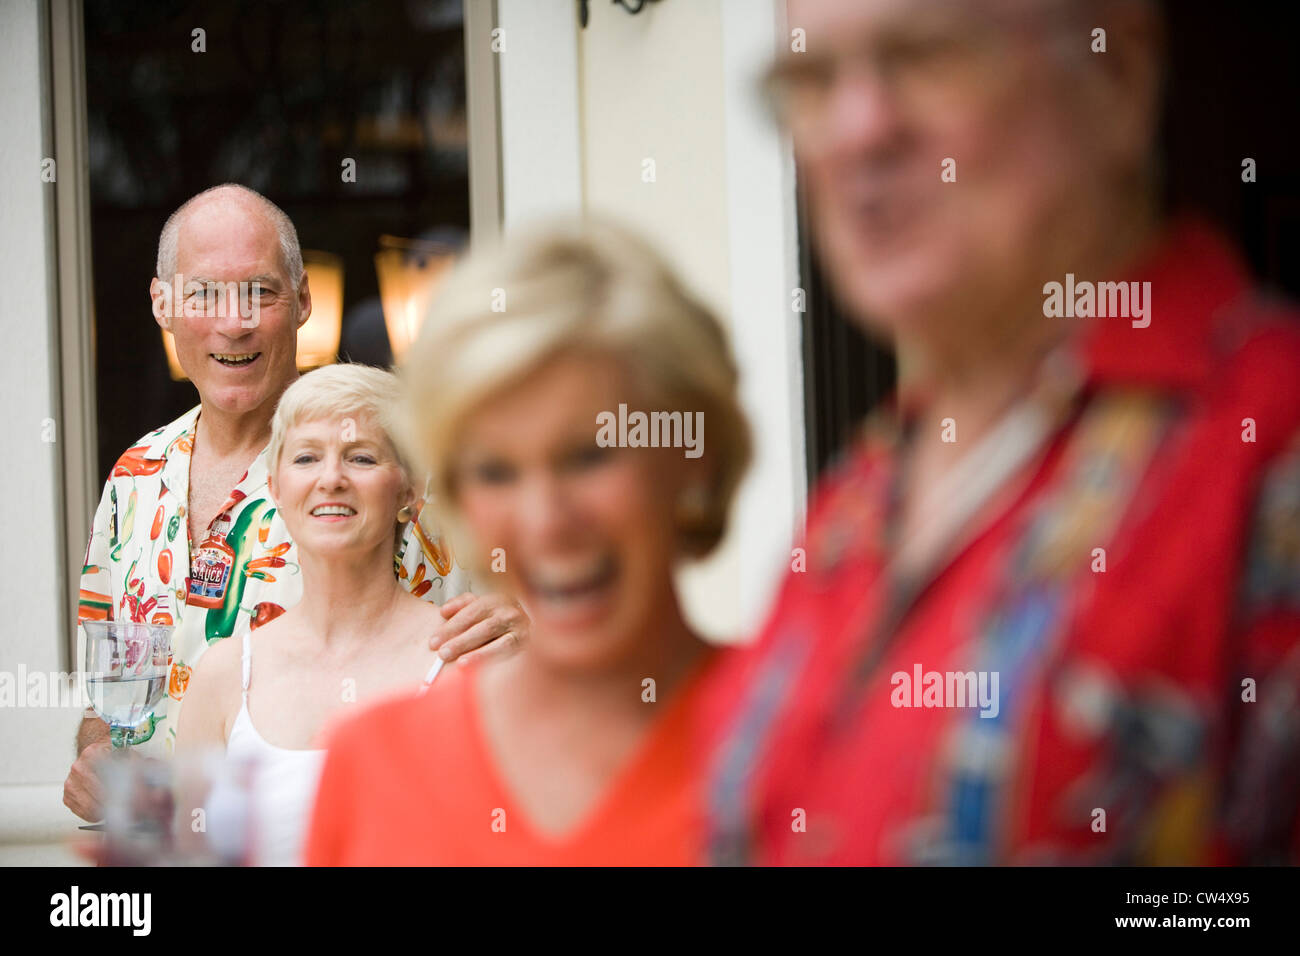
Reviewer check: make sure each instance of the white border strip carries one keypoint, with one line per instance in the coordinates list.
(766, 332)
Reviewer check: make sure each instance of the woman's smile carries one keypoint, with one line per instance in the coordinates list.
(333, 511)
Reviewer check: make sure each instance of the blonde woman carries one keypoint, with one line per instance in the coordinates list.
(575, 750)
(344, 492)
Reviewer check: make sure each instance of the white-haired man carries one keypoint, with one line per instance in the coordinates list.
(186, 532)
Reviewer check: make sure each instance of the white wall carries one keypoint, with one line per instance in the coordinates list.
(541, 168)
(35, 744)
(767, 334)
(675, 84)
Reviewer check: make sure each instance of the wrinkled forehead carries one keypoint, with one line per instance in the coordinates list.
(219, 237)
(826, 21)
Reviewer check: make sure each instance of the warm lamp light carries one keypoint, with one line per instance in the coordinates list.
(410, 271)
(173, 366)
(318, 340)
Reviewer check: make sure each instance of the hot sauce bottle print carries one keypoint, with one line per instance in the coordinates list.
(210, 571)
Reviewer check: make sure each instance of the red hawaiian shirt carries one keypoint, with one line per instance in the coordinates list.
(1108, 668)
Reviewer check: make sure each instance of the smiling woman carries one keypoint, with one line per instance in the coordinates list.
(344, 493)
(331, 428)
(582, 741)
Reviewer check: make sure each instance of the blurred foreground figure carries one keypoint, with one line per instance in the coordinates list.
(577, 750)
(1051, 604)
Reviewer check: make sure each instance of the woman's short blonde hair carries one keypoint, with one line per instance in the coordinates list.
(340, 391)
(588, 287)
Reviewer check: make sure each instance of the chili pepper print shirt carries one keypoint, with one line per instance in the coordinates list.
(141, 565)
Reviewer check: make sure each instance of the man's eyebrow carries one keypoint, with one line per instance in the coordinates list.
(264, 279)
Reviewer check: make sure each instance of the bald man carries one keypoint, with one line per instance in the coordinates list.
(231, 289)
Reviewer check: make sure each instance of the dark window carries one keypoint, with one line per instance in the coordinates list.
(284, 92)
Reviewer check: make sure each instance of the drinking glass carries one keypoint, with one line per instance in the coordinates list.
(126, 673)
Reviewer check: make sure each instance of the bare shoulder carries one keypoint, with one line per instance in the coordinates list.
(274, 631)
(217, 676)
(220, 660)
(212, 696)
(421, 622)
(424, 616)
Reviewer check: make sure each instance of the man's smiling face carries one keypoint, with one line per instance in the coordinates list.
(239, 362)
(1037, 131)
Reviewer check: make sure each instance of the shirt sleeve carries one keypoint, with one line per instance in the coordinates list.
(425, 564)
(1261, 822)
(95, 601)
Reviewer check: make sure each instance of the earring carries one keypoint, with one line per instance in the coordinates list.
(404, 514)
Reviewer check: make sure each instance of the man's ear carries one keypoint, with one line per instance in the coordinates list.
(1129, 99)
(304, 301)
(160, 296)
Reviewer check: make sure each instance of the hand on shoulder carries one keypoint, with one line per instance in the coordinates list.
(481, 627)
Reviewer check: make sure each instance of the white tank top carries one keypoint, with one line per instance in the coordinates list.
(284, 780)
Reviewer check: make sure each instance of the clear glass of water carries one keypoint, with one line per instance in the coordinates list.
(126, 673)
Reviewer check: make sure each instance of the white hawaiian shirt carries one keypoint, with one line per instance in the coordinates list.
(138, 563)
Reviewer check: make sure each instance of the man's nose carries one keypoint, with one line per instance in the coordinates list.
(230, 318)
(862, 113)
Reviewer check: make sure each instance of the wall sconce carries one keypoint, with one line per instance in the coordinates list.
(410, 271)
(631, 6)
(318, 340)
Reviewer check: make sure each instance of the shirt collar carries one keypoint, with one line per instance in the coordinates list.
(155, 446)
(1194, 276)
(255, 477)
